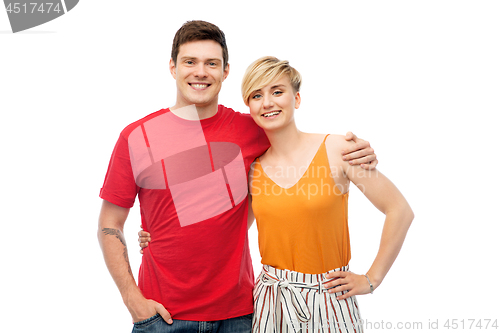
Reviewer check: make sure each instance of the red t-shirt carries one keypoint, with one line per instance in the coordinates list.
(191, 180)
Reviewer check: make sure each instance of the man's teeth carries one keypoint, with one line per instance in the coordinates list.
(270, 114)
(199, 86)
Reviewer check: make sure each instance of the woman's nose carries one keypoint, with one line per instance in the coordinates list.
(268, 101)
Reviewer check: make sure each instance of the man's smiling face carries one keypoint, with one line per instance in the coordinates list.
(199, 73)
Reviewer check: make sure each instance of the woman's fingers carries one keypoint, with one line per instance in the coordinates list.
(354, 284)
(337, 274)
(346, 295)
(144, 239)
(340, 288)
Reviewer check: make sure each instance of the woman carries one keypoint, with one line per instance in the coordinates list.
(299, 190)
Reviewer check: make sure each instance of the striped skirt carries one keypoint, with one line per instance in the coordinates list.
(287, 301)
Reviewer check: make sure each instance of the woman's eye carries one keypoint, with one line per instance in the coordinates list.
(256, 96)
(277, 92)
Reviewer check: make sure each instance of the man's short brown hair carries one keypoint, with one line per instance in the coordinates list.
(199, 30)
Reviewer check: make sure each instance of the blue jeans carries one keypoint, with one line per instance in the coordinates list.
(156, 324)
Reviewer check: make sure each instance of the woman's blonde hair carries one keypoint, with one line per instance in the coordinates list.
(265, 70)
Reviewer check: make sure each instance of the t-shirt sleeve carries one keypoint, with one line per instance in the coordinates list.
(119, 186)
(263, 141)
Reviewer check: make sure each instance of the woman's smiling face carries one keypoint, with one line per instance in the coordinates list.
(272, 107)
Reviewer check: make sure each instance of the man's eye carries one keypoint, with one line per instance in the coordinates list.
(212, 64)
(189, 62)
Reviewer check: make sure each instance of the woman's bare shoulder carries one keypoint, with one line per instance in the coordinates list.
(337, 142)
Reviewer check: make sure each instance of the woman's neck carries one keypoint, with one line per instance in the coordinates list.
(285, 141)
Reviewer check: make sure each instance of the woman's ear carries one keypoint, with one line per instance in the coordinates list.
(297, 100)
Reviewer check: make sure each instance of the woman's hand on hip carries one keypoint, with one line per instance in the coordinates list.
(354, 284)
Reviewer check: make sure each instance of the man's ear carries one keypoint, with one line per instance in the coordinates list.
(226, 72)
(171, 65)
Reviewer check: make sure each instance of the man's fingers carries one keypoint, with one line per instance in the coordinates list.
(363, 160)
(370, 166)
(350, 136)
(357, 147)
(360, 153)
(164, 313)
(366, 152)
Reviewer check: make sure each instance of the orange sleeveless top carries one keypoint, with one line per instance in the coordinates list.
(302, 228)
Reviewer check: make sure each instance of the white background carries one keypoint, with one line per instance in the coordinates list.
(419, 79)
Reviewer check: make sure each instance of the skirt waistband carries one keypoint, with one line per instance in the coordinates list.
(293, 276)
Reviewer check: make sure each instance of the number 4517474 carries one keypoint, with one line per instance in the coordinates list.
(32, 8)
(471, 324)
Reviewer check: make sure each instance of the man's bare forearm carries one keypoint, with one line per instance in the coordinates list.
(119, 235)
(114, 249)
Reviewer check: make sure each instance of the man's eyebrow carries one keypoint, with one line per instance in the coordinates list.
(188, 58)
(195, 58)
(215, 59)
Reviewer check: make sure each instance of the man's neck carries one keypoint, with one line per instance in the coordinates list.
(193, 112)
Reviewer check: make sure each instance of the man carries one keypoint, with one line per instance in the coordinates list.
(188, 165)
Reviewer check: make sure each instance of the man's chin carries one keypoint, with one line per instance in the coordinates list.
(203, 103)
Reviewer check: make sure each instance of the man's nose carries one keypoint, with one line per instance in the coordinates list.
(200, 70)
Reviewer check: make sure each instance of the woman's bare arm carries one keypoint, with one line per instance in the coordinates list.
(384, 195)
